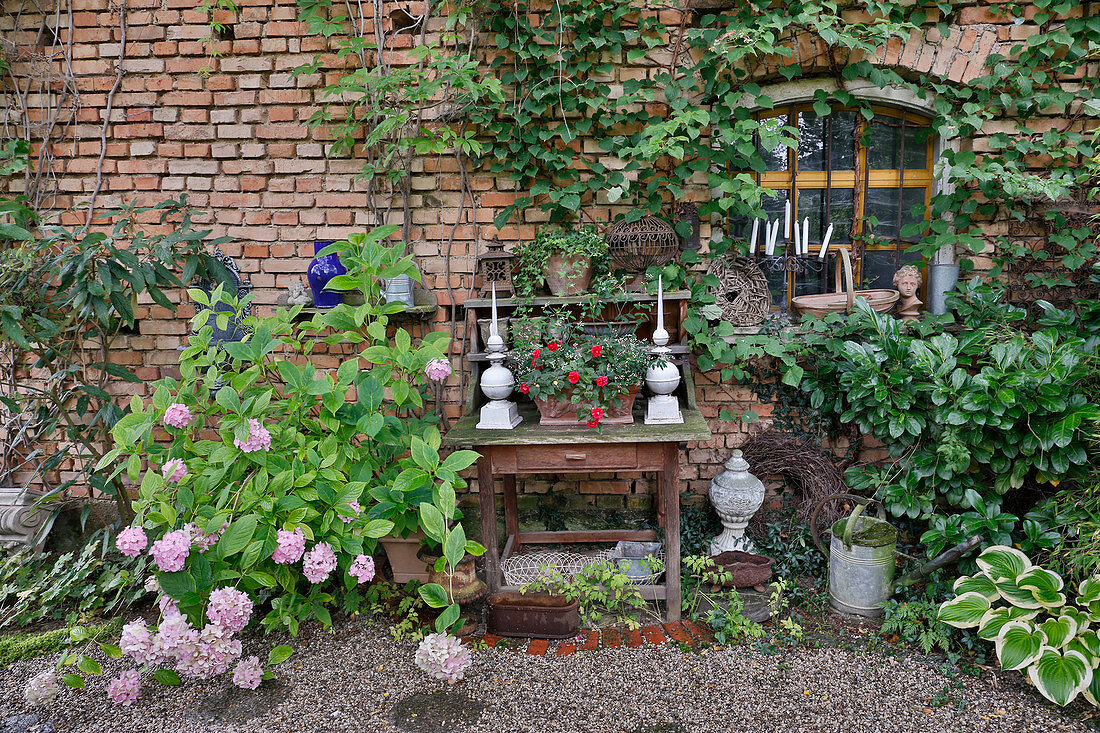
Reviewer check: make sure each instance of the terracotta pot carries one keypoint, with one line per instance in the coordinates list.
(747, 569)
(568, 274)
(401, 552)
(462, 585)
(564, 412)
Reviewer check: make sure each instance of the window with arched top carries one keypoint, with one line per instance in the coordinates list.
(868, 175)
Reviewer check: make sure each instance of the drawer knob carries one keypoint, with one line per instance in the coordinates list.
(576, 456)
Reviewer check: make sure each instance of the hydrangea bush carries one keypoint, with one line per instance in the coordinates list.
(261, 479)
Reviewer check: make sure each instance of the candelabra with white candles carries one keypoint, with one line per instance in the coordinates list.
(662, 377)
(497, 382)
(794, 255)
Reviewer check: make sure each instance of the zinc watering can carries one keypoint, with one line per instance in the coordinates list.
(861, 558)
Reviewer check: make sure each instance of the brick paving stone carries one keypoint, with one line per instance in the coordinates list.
(653, 634)
(634, 638)
(591, 641)
(676, 632)
(566, 648)
(611, 638)
(538, 647)
(701, 634)
(491, 639)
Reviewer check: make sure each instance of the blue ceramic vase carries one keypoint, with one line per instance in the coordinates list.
(322, 269)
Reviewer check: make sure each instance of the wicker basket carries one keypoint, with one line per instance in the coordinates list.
(821, 304)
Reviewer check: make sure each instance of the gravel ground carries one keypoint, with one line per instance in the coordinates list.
(358, 679)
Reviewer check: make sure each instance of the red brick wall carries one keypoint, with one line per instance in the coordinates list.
(236, 142)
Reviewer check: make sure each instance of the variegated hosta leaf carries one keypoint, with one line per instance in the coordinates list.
(1017, 596)
(1089, 590)
(964, 611)
(1088, 643)
(980, 583)
(1000, 562)
(1019, 644)
(995, 619)
(1059, 631)
(1040, 580)
(1060, 677)
(1080, 617)
(1092, 692)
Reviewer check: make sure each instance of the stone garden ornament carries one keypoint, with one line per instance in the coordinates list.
(736, 495)
(662, 377)
(497, 383)
(907, 281)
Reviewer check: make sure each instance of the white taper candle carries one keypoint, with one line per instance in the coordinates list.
(752, 239)
(787, 220)
(825, 243)
(806, 236)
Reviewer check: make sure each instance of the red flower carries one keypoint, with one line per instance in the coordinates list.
(597, 412)
(597, 351)
(601, 381)
(592, 423)
(524, 388)
(534, 365)
(553, 346)
(535, 354)
(574, 377)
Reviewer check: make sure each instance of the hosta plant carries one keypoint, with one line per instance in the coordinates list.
(1023, 609)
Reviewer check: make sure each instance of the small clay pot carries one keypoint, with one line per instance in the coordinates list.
(746, 568)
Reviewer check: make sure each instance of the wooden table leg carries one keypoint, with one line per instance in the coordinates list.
(487, 495)
(511, 508)
(670, 484)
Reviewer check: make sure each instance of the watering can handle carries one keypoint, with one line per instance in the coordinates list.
(861, 500)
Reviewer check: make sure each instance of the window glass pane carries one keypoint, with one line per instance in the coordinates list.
(822, 138)
(880, 265)
(821, 281)
(884, 144)
(883, 204)
(774, 152)
(812, 203)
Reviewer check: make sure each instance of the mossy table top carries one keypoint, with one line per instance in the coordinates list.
(529, 432)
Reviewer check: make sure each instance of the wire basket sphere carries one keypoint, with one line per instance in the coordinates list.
(529, 567)
(637, 245)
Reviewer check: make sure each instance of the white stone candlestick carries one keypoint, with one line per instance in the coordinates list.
(736, 495)
(497, 382)
(662, 377)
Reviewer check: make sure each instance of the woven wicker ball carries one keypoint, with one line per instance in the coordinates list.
(637, 245)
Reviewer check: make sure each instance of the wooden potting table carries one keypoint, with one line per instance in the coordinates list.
(531, 448)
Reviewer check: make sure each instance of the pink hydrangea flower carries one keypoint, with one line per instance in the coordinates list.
(362, 569)
(229, 608)
(443, 657)
(131, 541)
(438, 370)
(354, 508)
(124, 689)
(174, 470)
(248, 673)
(319, 562)
(201, 540)
(42, 689)
(171, 551)
(137, 642)
(178, 415)
(208, 653)
(289, 546)
(258, 437)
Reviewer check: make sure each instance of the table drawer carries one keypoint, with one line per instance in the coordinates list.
(577, 458)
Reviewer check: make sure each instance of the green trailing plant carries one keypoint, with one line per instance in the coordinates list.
(73, 586)
(1035, 627)
(601, 589)
(533, 255)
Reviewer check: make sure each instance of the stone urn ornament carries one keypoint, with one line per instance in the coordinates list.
(736, 495)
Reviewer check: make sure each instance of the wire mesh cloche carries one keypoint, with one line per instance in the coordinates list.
(637, 245)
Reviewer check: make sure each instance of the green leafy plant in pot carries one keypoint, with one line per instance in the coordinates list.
(562, 258)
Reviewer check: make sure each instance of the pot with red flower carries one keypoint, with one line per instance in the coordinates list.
(579, 378)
